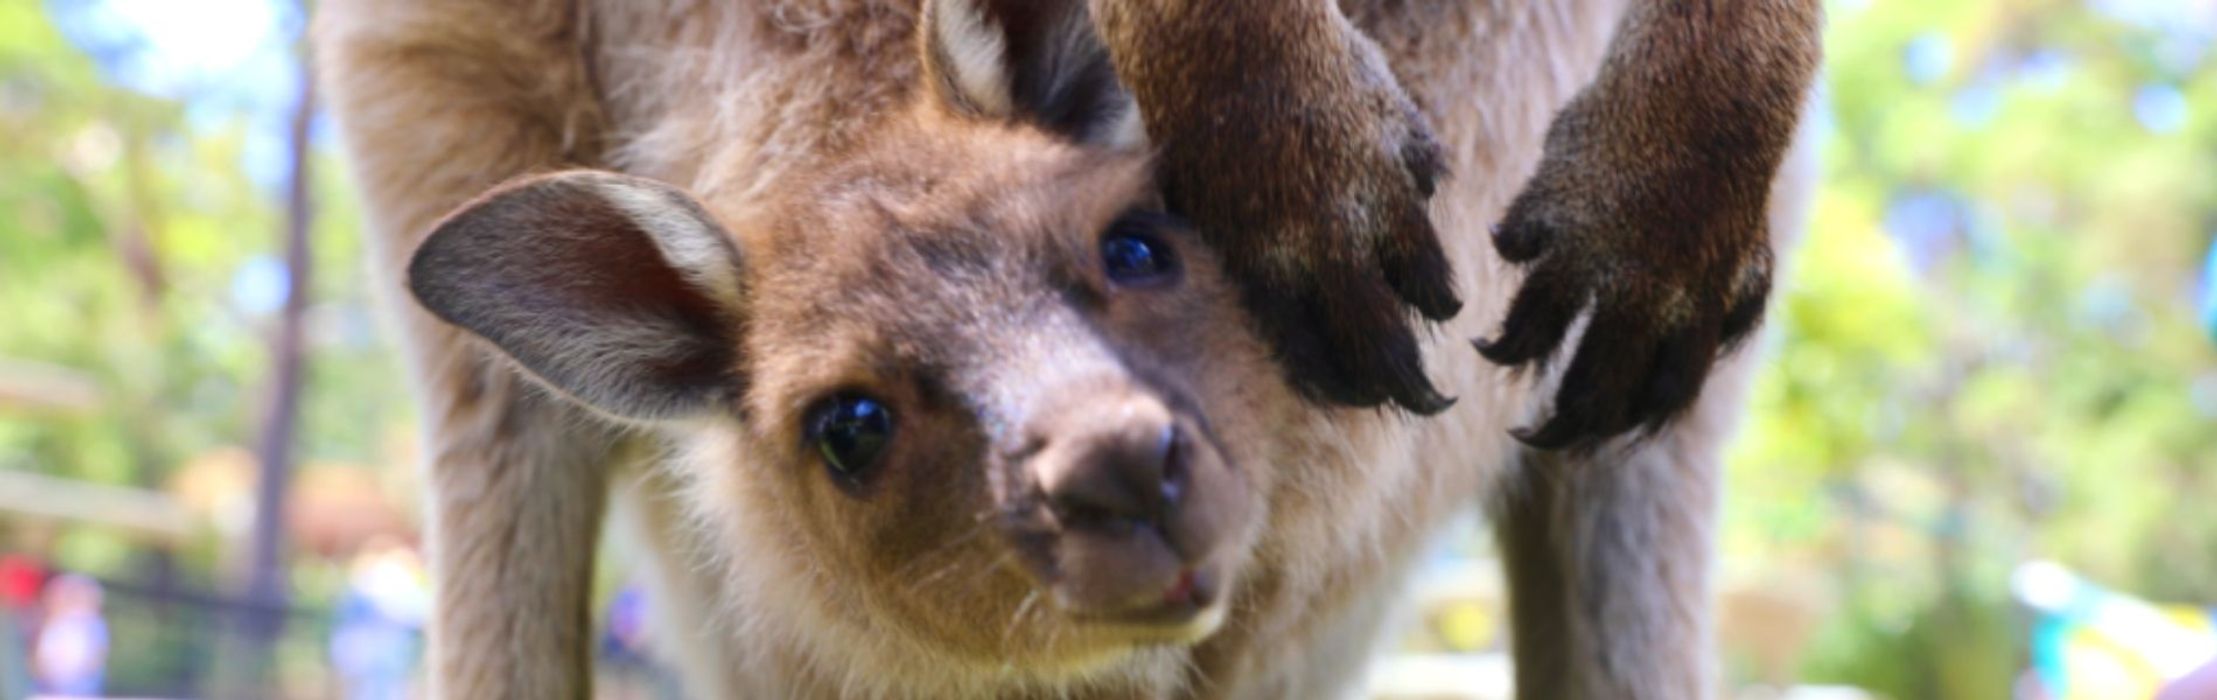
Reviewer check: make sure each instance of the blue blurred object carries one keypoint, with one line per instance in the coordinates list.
(2090, 643)
(1928, 224)
(2161, 108)
(2045, 70)
(260, 285)
(2209, 291)
(15, 669)
(1976, 106)
(1928, 58)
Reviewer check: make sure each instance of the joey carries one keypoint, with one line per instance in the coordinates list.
(982, 348)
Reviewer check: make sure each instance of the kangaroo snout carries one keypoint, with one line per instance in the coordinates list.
(1132, 507)
(1111, 470)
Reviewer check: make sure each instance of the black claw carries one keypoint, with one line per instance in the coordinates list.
(1521, 239)
(1313, 365)
(1427, 402)
(1400, 367)
(1743, 317)
(1538, 318)
(1556, 434)
(1494, 351)
(1745, 304)
(1364, 357)
(1426, 163)
(1392, 364)
(1596, 391)
(1484, 347)
(1418, 271)
(1680, 367)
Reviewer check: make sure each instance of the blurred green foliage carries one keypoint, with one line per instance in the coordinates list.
(139, 253)
(135, 256)
(1987, 349)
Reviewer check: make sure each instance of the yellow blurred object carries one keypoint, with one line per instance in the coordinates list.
(2094, 644)
(1466, 626)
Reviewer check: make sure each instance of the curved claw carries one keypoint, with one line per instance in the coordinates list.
(1354, 347)
(1521, 240)
(1415, 265)
(1538, 318)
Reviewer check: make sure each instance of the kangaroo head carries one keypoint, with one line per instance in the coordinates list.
(961, 389)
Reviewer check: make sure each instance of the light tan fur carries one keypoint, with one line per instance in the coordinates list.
(796, 125)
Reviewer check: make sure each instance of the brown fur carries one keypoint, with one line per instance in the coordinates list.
(1651, 203)
(942, 257)
(1284, 135)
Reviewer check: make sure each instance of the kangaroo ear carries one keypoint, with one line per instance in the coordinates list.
(616, 290)
(1036, 61)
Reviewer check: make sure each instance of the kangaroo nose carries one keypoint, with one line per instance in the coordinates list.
(1112, 467)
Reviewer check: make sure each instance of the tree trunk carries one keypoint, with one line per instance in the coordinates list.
(266, 580)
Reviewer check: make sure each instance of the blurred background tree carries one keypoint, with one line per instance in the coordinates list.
(144, 160)
(1995, 343)
(1998, 342)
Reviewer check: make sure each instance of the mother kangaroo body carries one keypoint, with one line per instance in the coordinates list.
(958, 348)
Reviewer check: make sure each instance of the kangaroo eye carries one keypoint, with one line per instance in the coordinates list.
(1133, 257)
(851, 432)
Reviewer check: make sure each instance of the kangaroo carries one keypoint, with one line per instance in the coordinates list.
(973, 348)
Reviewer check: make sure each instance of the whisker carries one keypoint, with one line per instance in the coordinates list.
(943, 548)
(1022, 609)
(941, 573)
(1054, 634)
(990, 567)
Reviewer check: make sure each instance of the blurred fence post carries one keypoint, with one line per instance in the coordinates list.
(266, 579)
(15, 671)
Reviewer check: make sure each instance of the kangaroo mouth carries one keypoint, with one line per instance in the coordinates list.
(1190, 608)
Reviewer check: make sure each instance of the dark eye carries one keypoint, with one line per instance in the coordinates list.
(851, 431)
(1132, 256)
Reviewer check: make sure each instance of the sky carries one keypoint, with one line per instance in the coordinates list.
(225, 60)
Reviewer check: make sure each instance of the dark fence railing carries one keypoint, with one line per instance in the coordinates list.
(173, 640)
